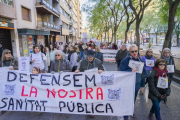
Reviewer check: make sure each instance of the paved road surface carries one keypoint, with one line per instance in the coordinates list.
(170, 111)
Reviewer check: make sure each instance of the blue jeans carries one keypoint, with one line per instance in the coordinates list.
(156, 109)
(136, 92)
(81, 55)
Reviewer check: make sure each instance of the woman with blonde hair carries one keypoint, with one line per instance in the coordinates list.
(7, 60)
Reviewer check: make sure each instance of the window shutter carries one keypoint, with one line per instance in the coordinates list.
(25, 14)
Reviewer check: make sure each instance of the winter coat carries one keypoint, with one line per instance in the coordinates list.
(114, 47)
(81, 48)
(1, 50)
(140, 78)
(73, 60)
(47, 58)
(121, 55)
(148, 68)
(11, 62)
(86, 65)
(154, 92)
(99, 56)
(59, 65)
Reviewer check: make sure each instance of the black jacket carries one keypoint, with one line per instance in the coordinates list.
(86, 65)
(7, 63)
(154, 92)
(120, 55)
(59, 65)
(1, 50)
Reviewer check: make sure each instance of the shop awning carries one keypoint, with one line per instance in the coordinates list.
(33, 32)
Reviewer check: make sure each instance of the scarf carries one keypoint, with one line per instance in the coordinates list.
(167, 59)
(148, 57)
(160, 73)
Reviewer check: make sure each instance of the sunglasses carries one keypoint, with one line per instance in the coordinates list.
(162, 64)
(57, 55)
(150, 52)
(134, 51)
(8, 53)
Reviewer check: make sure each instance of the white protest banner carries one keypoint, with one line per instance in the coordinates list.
(150, 63)
(109, 93)
(23, 64)
(137, 65)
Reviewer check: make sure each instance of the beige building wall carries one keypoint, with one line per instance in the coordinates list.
(79, 21)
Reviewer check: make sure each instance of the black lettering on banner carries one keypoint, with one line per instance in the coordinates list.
(22, 77)
(26, 104)
(15, 76)
(54, 79)
(79, 105)
(108, 106)
(64, 78)
(32, 77)
(19, 103)
(11, 103)
(42, 83)
(74, 77)
(5, 104)
(92, 107)
(37, 105)
(97, 109)
(43, 104)
(31, 104)
(64, 105)
(87, 78)
(69, 107)
(86, 108)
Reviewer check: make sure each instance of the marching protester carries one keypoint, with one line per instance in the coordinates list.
(90, 63)
(7, 60)
(1, 50)
(59, 64)
(46, 52)
(105, 46)
(81, 49)
(36, 70)
(156, 92)
(98, 54)
(149, 63)
(166, 55)
(51, 55)
(38, 59)
(73, 58)
(114, 47)
(66, 52)
(124, 66)
(121, 54)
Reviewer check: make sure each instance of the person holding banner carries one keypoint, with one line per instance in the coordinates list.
(91, 64)
(159, 87)
(7, 60)
(98, 54)
(38, 59)
(59, 64)
(170, 63)
(134, 58)
(73, 58)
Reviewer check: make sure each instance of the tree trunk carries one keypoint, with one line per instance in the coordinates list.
(137, 34)
(172, 11)
(105, 36)
(108, 36)
(156, 38)
(112, 36)
(125, 36)
(115, 36)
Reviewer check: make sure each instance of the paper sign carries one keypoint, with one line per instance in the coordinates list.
(70, 93)
(162, 82)
(92, 70)
(37, 58)
(150, 63)
(23, 64)
(170, 68)
(137, 65)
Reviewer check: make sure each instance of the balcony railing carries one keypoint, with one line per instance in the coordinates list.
(47, 5)
(48, 26)
(7, 2)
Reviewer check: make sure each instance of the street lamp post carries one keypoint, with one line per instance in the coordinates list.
(170, 42)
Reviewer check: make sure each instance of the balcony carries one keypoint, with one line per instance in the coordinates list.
(71, 32)
(45, 8)
(7, 11)
(64, 6)
(64, 19)
(46, 25)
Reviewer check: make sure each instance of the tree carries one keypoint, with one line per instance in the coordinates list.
(129, 18)
(139, 13)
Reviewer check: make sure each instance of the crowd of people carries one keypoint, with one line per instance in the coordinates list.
(65, 58)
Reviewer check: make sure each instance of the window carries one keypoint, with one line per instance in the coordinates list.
(7, 2)
(26, 14)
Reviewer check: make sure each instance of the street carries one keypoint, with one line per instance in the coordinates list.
(169, 111)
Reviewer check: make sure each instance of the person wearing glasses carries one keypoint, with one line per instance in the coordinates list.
(59, 64)
(98, 54)
(124, 66)
(156, 91)
(166, 55)
(7, 60)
